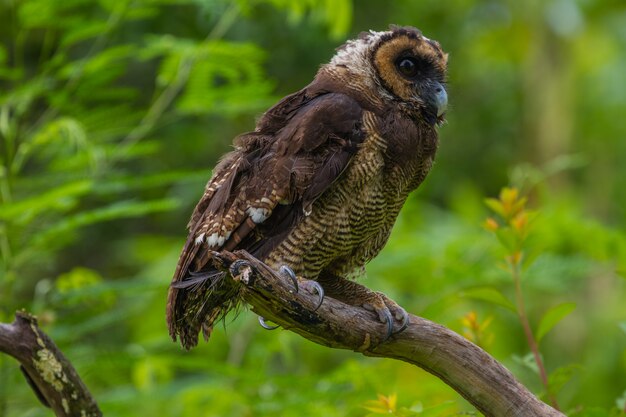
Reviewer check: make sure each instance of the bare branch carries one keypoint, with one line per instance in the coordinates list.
(53, 378)
(465, 367)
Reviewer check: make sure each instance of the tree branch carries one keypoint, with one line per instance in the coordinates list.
(53, 378)
(465, 367)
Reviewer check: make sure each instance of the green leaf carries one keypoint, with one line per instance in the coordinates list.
(82, 286)
(62, 133)
(59, 199)
(495, 205)
(99, 64)
(490, 295)
(527, 361)
(552, 317)
(338, 14)
(76, 279)
(126, 183)
(83, 32)
(561, 376)
(507, 237)
(119, 210)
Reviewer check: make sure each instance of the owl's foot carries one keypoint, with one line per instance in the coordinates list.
(352, 293)
(299, 283)
(311, 286)
(388, 312)
(286, 272)
(314, 288)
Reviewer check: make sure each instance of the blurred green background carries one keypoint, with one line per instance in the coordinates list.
(113, 112)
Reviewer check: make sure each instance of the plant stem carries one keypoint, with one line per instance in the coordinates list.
(532, 343)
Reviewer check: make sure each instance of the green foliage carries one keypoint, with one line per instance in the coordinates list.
(552, 317)
(489, 294)
(112, 114)
(387, 405)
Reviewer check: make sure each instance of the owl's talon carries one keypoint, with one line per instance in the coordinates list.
(389, 321)
(388, 312)
(312, 286)
(265, 325)
(285, 271)
(405, 320)
(320, 292)
(235, 267)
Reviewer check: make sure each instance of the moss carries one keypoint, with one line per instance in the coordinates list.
(50, 369)
(48, 366)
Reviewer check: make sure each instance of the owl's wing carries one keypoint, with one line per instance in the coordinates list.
(271, 179)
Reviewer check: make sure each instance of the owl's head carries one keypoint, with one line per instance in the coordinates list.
(400, 65)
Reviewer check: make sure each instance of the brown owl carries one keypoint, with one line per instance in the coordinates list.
(316, 188)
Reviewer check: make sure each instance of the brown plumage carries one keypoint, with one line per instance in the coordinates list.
(319, 183)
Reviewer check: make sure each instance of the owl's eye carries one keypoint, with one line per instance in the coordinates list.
(408, 67)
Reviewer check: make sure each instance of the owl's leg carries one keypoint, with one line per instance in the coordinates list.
(355, 294)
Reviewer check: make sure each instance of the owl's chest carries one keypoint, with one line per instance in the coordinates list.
(352, 220)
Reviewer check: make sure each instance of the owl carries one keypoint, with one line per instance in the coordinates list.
(315, 189)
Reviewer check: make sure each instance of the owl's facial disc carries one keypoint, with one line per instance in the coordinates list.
(412, 68)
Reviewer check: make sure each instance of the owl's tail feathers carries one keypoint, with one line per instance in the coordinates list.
(197, 303)
(197, 279)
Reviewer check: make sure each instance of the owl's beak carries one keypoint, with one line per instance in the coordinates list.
(441, 99)
(433, 101)
(436, 103)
